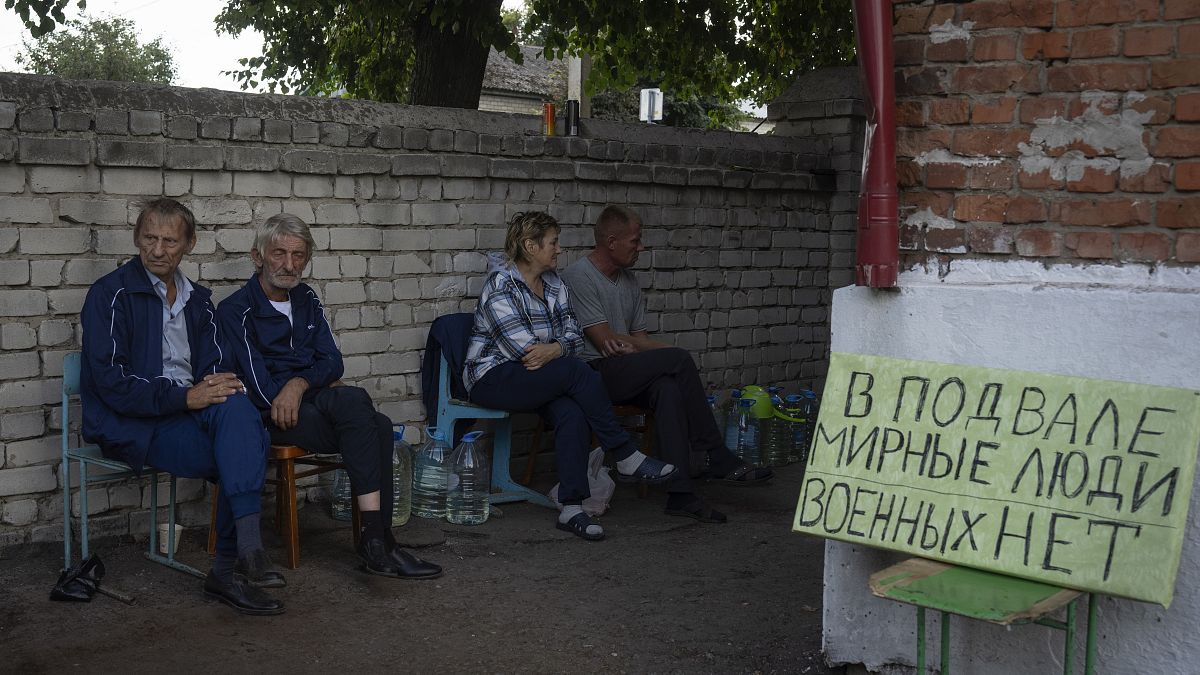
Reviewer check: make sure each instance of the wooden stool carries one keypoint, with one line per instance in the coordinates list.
(286, 457)
(645, 428)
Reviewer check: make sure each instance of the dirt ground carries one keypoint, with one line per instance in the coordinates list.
(659, 595)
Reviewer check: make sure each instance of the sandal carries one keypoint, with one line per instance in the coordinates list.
(578, 525)
(698, 510)
(648, 472)
(746, 475)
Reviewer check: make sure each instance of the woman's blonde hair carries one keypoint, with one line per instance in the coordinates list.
(527, 226)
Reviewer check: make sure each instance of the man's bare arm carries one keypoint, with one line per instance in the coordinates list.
(645, 343)
(612, 343)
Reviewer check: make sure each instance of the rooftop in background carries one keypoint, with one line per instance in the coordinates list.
(522, 88)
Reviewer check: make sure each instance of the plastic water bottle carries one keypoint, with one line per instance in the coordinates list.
(429, 476)
(468, 484)
(811, 408)
(748, 437)
(339, 499)
(792, 415)
(776, 435)
(401, 477)
(731, 414)
(716, 411)
(719, 418)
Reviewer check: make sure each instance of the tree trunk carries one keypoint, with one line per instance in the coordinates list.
(448, 70)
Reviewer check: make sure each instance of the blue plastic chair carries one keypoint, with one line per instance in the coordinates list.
(450, 410)
(117, 470)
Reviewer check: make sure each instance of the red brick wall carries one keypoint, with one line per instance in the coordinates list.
(1064, 130)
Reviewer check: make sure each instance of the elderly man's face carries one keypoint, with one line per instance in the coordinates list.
(162, 242)
(626, 246)
(281, 265)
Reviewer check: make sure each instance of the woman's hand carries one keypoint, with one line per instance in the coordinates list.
(540, 354)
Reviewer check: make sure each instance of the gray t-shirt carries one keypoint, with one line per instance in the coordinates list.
(597, 299)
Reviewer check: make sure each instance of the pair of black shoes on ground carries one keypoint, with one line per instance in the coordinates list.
(255, 572)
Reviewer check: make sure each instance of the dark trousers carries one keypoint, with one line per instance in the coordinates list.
(667, 382)
(344, 420)
(568, 395)
(224, 443)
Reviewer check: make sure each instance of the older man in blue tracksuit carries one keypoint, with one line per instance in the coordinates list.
(155, 392)
(285, 352)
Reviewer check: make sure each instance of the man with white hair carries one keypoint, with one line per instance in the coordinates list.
(285, 352)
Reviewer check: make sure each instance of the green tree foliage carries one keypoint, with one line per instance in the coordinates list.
(370, 50)
(725, 49)
(722, 50)
(40, 16)
(433, 51)
(98, 48)
(622, 105)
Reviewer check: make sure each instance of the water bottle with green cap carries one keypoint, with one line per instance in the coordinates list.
(748, 427)
(791, 415)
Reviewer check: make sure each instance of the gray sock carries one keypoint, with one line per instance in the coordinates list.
(223, 565)
(249, 536)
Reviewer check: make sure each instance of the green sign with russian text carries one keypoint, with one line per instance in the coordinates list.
(1072, 481)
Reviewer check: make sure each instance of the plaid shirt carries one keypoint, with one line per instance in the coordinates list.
(510, 318)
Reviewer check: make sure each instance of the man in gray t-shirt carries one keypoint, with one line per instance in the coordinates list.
(638, 370)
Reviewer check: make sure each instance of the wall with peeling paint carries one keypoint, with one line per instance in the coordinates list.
(1048, 157)
(1060, 131)
(1134, 323)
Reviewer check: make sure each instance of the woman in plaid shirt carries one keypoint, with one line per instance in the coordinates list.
(521, 358)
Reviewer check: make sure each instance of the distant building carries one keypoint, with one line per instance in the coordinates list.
(755, 124)
(522, 88)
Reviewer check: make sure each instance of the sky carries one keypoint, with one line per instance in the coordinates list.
(186, 27)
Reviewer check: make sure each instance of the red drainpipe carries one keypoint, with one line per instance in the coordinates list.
(878, 256)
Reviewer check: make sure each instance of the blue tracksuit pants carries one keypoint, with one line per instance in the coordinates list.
(224, 443)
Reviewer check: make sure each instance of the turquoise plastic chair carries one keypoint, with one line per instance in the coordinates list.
(450, 410)
(116, 470)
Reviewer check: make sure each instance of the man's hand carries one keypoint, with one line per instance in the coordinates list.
(539, 355)
(213, 389)
(285, 409)
(616, 347)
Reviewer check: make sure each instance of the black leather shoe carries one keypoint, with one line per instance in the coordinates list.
(396, 562)
(240, 595)
(259, 571)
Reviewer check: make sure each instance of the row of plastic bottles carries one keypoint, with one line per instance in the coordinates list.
(760, 426)
(764, 428)
(433, 482)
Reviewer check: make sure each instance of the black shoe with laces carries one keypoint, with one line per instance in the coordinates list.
(379, 558)
(240, 595)
(259, 571)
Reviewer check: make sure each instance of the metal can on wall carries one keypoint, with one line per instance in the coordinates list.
(572, 118)
(548, 119)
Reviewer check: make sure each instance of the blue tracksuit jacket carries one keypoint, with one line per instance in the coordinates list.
(122, 386)
(267, 351)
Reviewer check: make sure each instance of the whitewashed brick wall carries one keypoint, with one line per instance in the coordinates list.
(404, 204)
